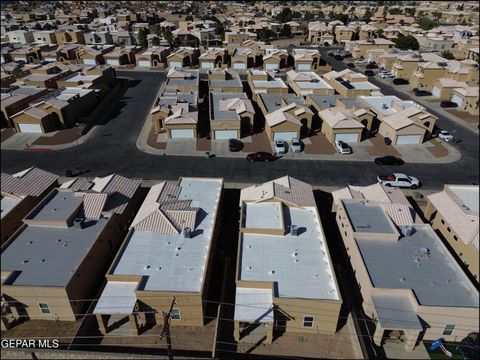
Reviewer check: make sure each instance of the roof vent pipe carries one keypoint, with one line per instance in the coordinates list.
(294, 230)
(187, 233)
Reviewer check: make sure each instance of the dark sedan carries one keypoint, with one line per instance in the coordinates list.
(400, 81)
(369, 73)
(388, 160)
(261, 156)
(448, 104)
(351, 65)
(371, 66)
(422, 93)
(235, 145)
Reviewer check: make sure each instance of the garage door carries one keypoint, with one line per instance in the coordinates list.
(89, 61)
(239, 66)
(175, 64)
(352, 137)
(457, 100)
(181, 134)
(207, 65)
(304, 67)
(113, 62)
(225, 134)
(436, 91)
(30, 128)
(144, 63)
(271, 66)
(285, 135)
(408, 139)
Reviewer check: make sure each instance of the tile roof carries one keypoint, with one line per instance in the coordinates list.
(340, 118)
(162, 212)
(286, 189)
(33, 181)
(465, 225)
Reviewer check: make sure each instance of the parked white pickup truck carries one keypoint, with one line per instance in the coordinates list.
(399, 180)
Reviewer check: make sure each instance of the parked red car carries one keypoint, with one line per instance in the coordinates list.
(261, 156)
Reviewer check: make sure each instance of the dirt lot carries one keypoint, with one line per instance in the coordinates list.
(6, 133)
(379, 147)
(471, 119)
(323, 346)
(204, 145)
(260, 142)
(438, 150)
(195, 338)
(152, 141)
(45, 329)
(61, 137)
(319, 145)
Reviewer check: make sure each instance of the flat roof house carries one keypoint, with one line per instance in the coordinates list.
(409, 282)
(20, 193)
(285, 281)
(177, 118)
(350, 84)
(308, 82)
(18, 100)
(231, 115)
(164, 264)
(55, 260)
(263, 82)
(181, 80)
(454, 213)
(220, 80)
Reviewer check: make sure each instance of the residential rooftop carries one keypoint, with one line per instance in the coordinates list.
(49, 255)
(157, 247)
(419, 262)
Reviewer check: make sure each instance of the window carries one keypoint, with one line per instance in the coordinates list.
(176, 314)
(448, 229)
(44, 308)
(455, 237)
(308, 321)
(442, 221)
(448, 330)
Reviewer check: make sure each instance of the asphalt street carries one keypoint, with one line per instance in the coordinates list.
(112, 149)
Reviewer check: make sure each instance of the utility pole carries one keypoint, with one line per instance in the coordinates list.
(166, 329)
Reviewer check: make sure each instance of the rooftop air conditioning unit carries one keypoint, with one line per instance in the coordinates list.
(407, 230)
(79, 223)
(294, 230)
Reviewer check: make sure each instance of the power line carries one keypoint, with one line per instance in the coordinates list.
(338, 316)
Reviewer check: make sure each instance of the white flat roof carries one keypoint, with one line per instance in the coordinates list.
(253, 304)
(469, 195)
(299, 265)
(118, 297)
(275, 83)
(170, 261)
(255, 219)
(7, 203)
(313, 85)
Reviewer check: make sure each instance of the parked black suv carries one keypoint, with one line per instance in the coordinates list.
(369, 73)
(419, 92)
